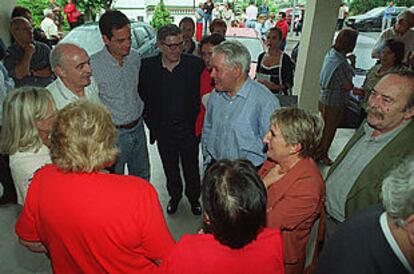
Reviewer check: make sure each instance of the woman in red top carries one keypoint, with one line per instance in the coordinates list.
(72, 14)
(294, 184)
(234, 239)
(206, 82)
(87, 220)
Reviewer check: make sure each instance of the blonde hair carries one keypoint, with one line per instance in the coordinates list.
(299, 126)
(22, 109)
(83, 138)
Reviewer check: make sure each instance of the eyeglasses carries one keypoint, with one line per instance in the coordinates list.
(174, 46)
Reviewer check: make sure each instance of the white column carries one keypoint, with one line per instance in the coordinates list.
(6, 8)
(318, 31)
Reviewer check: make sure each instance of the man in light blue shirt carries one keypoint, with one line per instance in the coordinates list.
(238, 110)
(387, 18)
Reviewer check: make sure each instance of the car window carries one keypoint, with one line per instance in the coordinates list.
(141, 34)
(151, 32)
(254, 45)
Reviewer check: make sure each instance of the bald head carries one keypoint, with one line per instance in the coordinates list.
(71, 64)
(62, 52)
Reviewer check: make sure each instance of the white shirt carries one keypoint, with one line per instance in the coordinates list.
(393, 243)
(49, 27)
(23, 165)
(251, 12)
(343, 10)
(63, 96)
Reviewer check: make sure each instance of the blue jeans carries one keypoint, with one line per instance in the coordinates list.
(132, 145)
(250, 24)
(207, 21)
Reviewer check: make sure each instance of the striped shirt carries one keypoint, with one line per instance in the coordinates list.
(118, 86)
(335, 95)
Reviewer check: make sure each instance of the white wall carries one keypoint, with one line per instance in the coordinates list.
(317, 36)
(5, 10)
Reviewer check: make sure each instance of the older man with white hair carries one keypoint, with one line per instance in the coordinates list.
(377, 241)
(71, 65)
(49, 27)
(238, 112)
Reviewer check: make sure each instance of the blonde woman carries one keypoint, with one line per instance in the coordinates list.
(27, 118)
(87, 220)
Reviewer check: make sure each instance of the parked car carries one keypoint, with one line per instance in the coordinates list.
(88, 37)
(250, 38)
(289, 11)
(371, 20)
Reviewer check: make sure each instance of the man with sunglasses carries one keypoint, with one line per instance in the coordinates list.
(354, 181)
(169, 84)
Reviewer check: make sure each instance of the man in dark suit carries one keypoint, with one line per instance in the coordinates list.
(169, 84)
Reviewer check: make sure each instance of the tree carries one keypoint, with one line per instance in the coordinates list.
(88, 7)
(161, 16)
(361, 6)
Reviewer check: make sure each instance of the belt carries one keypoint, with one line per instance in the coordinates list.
(129, 125)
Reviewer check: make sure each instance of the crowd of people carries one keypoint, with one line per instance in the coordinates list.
(72, 122)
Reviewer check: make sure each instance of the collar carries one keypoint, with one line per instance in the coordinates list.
(392, 242)
(368, 130)
(243, 91)
(112, 59)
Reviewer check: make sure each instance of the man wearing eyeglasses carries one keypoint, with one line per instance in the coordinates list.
(169, 84)
(354, 181)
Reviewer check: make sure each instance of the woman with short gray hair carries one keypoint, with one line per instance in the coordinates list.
(295, 188)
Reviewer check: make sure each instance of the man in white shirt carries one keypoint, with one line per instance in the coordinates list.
(251, 15)
(49, 27)
(74, 76)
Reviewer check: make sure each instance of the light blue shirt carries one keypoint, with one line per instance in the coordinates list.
(234, 127)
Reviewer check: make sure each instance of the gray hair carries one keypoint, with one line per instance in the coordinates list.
(235, 54)
(58, 54)
(398, 191)
(47, 12)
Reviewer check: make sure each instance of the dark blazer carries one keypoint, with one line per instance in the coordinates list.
(366, 190)
(150, 89)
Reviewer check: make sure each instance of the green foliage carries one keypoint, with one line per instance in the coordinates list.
(36, 7)
(161, 16)
(362, 6)
(87, 7)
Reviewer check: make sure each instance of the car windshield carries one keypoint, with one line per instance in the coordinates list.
(88, 38)
(254, 45)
